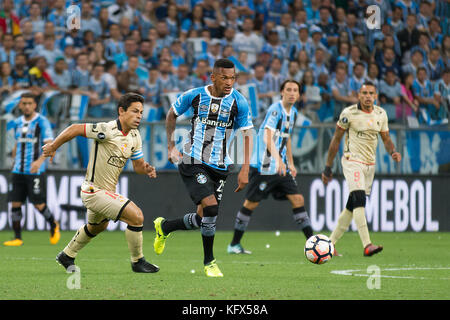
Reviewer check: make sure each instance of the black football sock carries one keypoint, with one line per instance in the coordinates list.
(302, 219)
(48, 216)
(208, 243)
(241, 224)
(16, 216)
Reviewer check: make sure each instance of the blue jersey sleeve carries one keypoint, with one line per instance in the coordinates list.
(272, 117)
(183, 103)
(47, 132)
(244, 114)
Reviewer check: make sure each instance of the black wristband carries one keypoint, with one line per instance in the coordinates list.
(327, 172)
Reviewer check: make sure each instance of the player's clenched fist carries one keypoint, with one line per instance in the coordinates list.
(48, 150)
(151, 171)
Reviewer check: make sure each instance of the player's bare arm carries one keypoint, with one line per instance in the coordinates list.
(68, 134)
(173, 154)
(333, 149)
(140, 166)
(290, 158)
(248, 147)
(389, 145)
(268, 140)
(35, 165)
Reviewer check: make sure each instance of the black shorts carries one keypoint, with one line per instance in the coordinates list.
(260, 186)
(202, 181)
(23, 186)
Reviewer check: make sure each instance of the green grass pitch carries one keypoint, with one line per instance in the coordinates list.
(411, 266)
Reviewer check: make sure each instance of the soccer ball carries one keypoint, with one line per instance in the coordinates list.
(319, 249)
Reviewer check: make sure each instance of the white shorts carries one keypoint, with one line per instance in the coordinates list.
(102, 204)
(359, 176)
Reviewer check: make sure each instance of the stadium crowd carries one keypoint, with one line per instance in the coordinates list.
(158, 47)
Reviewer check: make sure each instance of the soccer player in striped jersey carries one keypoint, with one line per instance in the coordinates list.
(28, 179)
(218, 111)
(115, 142)
(272, 167)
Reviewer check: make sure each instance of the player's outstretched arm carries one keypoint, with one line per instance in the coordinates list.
(248, 148)
(74, 130)
(389, 145)
(333, 149)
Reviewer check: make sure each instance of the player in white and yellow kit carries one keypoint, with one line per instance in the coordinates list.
(115, 142)
(362, 122)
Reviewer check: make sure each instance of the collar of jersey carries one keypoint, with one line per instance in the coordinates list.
(209, 94)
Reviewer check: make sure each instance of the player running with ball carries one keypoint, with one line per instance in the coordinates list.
(362, 122)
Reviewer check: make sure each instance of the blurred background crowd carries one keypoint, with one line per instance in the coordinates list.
(159, 47)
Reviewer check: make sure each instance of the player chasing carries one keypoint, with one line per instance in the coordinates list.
(115, 142)
(28, 178)
(362, 122)
(272, 168)
(218, 110)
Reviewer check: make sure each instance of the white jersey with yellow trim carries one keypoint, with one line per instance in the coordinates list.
(110, 152)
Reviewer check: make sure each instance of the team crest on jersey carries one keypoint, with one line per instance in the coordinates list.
(262, 186)
(224, 113)
(201, 178)
(123, 147)
(214, 107)
(203, 108)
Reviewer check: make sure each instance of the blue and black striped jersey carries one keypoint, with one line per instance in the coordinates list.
(30, 137)
(214, 122)
(281, 123)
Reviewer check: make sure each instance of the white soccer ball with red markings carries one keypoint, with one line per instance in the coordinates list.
(319, 249)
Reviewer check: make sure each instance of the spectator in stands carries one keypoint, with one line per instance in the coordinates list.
(303, 43)
(182, 81)
(409, 7)
(372, 74)
(60, 74)
(396, 21)
(193, 21)
(20, 74)
(213, 17)
(286, 34)
(342, 93)
(274, 78)
(294, 72)
(9, 22)
(435, 66)
(81, 73)
(130, 49)
(105, 23)
(274, 46)
(390, 94)
(445, 50)
(248, 41)
(172, 20)
(313, 12)
(327, 26)
(435, 33)
(150, 89)
(409, 36)
(58, 17)
(262, 89)
(388, 62)
(164, 38)
(49, 51)
(358, 77)
(442, 91)
(110, 76)
(423, 91)
(19, 44)
(414, 64)
(318, 63)
(128, 80)
(88, 20)
(7, 52)
(165, 79)
(114, 44)
(409, 105)
(99, 106)
(310, 94)
(6, 80)
(201, 74)
(303, 60)
(316, 42)
(147, 19)
(326, 111)
(232, 21)
(39, 77)
(35, 17)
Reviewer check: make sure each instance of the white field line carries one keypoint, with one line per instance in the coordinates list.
(356, 272)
